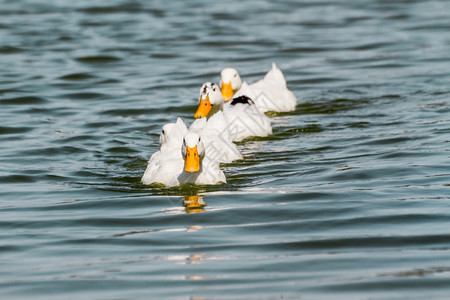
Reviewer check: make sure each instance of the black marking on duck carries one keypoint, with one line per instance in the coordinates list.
(242, 100)
(205, 89)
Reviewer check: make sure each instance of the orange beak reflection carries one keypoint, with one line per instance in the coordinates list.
(227, 91)
(192, 163)
(194, 204)
(203, 108)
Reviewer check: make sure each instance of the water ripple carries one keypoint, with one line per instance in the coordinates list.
(26, 100)
(98, 59)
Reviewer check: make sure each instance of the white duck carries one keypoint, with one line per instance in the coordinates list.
(181, 161)
(216, 138)
(172, 135)
(269, 94)
(241, 118)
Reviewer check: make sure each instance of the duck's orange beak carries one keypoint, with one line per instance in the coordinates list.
(192, 163)
(227, 91)
(203, 108)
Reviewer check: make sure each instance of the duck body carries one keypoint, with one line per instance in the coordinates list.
(216, 138)
(241, 118)
(269, 94)
(245, 120)
(209, 174)
(181, 160)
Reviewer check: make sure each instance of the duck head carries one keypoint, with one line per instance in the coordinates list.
(172, 134)
(210, 100)
(193, 152)
(164, 137)
(230, 83)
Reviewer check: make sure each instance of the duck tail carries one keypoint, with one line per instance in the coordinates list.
(276, 74)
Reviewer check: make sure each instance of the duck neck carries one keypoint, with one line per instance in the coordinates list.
(215, 109)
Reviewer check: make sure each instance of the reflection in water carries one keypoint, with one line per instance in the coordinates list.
(195, 258)
(194, 204)
(195, 277)
(194, 227)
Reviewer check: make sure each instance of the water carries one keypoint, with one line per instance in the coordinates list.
(349, 198)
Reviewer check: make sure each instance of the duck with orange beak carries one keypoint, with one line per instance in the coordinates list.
(193, 152)
(269, 94)
(198, 168)
(241, 118)
(230, 83)
(172, 167)
(209, 101)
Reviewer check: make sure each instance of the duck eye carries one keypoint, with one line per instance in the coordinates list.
(235, 75)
